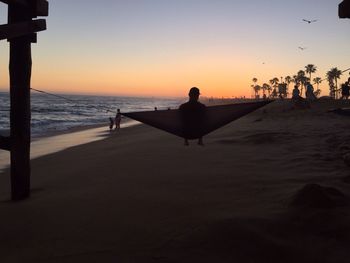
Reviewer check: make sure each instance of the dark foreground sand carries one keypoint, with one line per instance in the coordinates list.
(256, 192)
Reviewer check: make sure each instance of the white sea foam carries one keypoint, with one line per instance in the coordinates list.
(51, 114)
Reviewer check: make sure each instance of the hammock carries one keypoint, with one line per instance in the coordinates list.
(215, 117)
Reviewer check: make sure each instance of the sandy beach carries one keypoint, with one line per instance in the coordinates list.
(60, 140)
(270, 187)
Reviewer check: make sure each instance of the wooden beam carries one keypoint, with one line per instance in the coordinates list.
(15, 2)
(37, 7)
(5, 143)
(344, 9)
(21, 29)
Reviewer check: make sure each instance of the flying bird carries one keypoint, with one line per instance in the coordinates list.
(309, 21)
(302, 48)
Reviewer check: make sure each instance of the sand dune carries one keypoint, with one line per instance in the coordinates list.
(270, 187)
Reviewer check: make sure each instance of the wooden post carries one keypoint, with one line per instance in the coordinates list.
(20, 31)
(5, 143)
(20, 73)
(344, 9)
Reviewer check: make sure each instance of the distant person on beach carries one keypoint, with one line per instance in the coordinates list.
(298, 101)
(111, 123)
(118, 118)
(345, 90)
(193, 115)
(310, 92)
(296, 93)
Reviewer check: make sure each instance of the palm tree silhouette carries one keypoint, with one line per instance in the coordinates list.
(317, 81)
(257, 88)
(266, 87)
(331, 85)
(274, 84)
(332, 76)
(255, 80)
(288, 80)
(301, 79)
(310, 68)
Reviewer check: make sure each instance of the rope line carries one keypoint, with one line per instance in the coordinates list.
(107, 109)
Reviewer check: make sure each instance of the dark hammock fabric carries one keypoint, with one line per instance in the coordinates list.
(172, 121)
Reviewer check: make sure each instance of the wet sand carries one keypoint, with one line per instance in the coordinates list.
(58, 141)
(270, 187)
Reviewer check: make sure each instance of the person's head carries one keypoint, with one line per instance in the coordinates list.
(194, 93)
(296, 87)
(118, 110)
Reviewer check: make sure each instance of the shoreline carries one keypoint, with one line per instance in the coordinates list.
(63, 139)
(53, 142)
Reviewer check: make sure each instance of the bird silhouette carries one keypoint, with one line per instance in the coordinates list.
(309, 21)
(302, 48)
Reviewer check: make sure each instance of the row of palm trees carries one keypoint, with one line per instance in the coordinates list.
(301, 78)
(332, 77)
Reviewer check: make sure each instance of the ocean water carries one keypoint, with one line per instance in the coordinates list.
(51, 114)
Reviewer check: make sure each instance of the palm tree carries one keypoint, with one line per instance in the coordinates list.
(265, 87)
(310, 68)
(269, 89)
(295, 79)
(255, 80)
(333, 75)
(257, 88)
(274, 84)
(331, 86)
(288, 80)
(301, 79)
(317, 81)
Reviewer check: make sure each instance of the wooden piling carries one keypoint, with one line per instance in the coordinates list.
(21, 32)
(20, 68)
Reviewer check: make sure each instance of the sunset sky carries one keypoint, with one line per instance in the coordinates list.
(163, 47)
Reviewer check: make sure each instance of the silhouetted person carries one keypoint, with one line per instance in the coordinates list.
(296, 93)
(345, 91)
(155, 108)
(298, 101)
(118, 118)
(111, 123)
(310, 92)
(193, 116)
